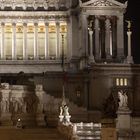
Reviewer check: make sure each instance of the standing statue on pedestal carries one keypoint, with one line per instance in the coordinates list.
(39, 98)
(123, 99)
(4, 105)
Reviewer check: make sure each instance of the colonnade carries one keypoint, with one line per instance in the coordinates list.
(25, 44)
(105, 37)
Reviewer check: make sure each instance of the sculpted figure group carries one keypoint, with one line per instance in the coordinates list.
(13, 103)
(123, 99)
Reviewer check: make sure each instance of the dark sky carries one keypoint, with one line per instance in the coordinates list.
(133, 13)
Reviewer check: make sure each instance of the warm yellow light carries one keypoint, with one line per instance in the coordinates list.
(121, 82)
(117, 82)
(125, 82)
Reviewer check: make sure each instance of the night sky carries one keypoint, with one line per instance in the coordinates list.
(133, 13)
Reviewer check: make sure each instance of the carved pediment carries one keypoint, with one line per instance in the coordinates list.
(103, 3)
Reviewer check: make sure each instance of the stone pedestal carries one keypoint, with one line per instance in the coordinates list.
(66, 120)
(28, 120)
(123, 124)
(129, 60)
(124, 119)
(40, 120)
(6, 119)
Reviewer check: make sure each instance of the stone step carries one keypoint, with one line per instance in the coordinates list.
(89, 138)
(30, 134)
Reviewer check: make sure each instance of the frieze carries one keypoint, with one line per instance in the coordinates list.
(24, 4)
(31, 16)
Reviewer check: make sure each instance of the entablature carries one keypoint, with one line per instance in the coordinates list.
(16, 16)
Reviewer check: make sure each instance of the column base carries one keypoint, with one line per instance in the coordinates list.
(91, 59)
(108, 57)
(6, 119)
(129, 60)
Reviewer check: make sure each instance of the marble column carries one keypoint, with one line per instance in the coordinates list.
(111, 45)
(97, 41)
(14, 57)
(58, 40)
(2, 41)
(25, 41)
(107, 37)
(46, 40)
(85, 34)
(129, 56)
(69, 42)
(120, 37)
(36, 41)
(91, 57)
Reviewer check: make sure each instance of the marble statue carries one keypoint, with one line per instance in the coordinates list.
(128, 24)
(5, 85)
(39, 98)
(66, 110)
(4, 105)
(80, 3)
(40, 107)
(17, 104)
(123, 99)
(61, 110)
(90, 24)
(39, 87)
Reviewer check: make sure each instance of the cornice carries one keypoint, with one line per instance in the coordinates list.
(35, 4)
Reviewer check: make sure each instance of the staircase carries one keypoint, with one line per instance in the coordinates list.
(30, 134)
(88, 131)
(52, 110)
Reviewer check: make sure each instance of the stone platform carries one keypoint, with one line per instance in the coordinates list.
(7, 133)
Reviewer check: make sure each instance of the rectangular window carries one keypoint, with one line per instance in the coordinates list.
(121, 82)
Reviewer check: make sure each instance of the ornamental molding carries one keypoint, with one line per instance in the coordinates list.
(24, 4)
(103, 3)
(32, 16)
